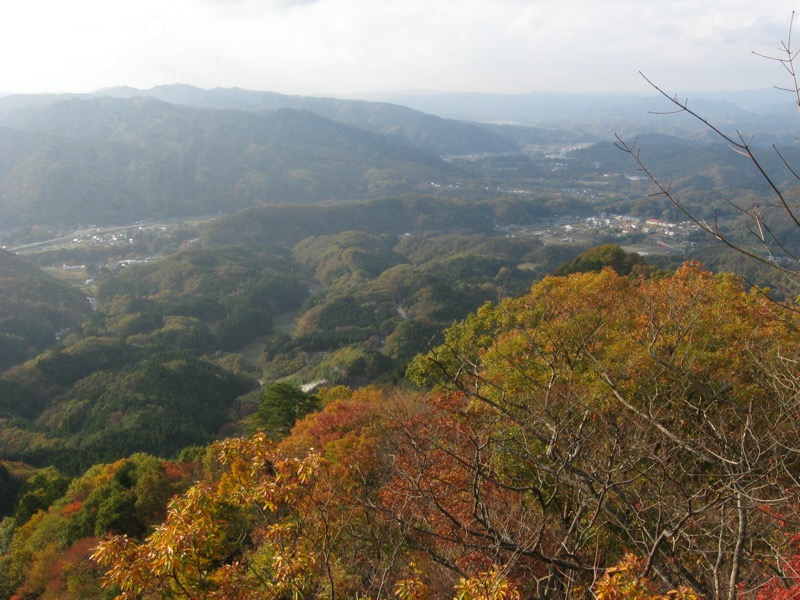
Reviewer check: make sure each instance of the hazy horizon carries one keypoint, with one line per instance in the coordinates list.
(348, 48)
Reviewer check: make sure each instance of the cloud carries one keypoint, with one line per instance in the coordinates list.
(342, 46)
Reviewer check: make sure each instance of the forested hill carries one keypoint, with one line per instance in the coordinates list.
(287, 224)
(400, 123)
(108, 160)
(34, 306)
(117, 158)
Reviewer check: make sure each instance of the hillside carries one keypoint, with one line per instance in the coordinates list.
(288, 224)
(402, 124)
(34, 306)
(382, 392)
(551, 442)
(107, 160)
(346, 293)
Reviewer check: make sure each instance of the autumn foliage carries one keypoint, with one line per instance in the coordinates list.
(600, 415)
(602, 436)
(622, 435)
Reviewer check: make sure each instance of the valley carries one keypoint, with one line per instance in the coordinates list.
(384, 300)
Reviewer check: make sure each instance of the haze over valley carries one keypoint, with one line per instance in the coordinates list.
(328, 300)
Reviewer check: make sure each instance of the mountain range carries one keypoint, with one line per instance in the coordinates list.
(121, 154)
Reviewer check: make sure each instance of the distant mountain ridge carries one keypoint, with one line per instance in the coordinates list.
(91, 159)
(122, 154)
(756, 111)
(400, 123)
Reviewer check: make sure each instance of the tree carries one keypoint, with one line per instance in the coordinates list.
(47, 554)
(607, 255)
(9, 486)
(38, 492)
(595, 418)
(201, 549)
(281, 406)
(279, 521)
(270, 522)
(768, 227)
(600, 414)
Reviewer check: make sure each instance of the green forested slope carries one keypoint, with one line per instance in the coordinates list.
(105, 160)
(34, 306)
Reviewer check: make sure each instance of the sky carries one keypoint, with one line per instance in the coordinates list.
(355, 47)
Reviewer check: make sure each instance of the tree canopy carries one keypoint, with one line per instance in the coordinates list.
(633, 436)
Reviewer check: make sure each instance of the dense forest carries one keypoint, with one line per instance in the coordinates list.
(381, 373)
(593, 429)
(174, 347)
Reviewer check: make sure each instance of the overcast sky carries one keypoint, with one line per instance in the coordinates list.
(350, 47)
